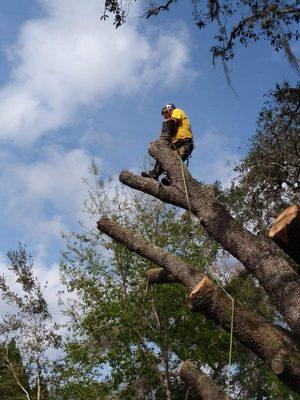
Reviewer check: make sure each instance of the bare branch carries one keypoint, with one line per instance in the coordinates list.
(153, 10)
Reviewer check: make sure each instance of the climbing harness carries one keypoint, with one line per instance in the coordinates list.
(219, 284)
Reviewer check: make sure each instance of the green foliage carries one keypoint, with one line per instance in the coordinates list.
(267, 182)
(29, 326)
(127, 339)
(269, 176)
(10, 357)
(130, 336)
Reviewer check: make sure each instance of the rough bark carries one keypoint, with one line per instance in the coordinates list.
(200, 382)
(259, 255)
(275, 348)
(160, 275)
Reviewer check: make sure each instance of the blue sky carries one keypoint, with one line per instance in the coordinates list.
(74, 88)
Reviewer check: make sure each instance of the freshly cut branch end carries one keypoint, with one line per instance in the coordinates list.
(278, 362)
(279, 228)
(204, 285)
(286, 232)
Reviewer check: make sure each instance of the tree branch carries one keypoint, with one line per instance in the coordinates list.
(202, 383)
(15, 375)
(185, 273)
(156, 10)
(160, 275)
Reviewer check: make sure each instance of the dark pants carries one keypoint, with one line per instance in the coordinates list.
(184, 148)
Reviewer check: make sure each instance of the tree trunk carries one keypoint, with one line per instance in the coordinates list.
(259, 255)
(275, 348)
(201, 383)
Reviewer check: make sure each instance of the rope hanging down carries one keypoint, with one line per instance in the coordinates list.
(221, 287)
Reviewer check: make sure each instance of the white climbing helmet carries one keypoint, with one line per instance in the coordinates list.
(167, 107)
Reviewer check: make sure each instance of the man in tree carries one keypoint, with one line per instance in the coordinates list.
(177, 132)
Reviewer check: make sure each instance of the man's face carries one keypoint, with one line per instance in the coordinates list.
(167, 114)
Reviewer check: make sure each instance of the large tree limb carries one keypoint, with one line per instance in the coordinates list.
(160, 275)
(275, 348)
(202, 383)
(184, 273)
(259, 255)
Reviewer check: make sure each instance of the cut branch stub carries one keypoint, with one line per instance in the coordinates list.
(286, 232)
(259, 255)
(202, 289)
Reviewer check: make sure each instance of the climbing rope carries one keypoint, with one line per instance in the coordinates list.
(219, 284)
(231, 331)
(185, 187)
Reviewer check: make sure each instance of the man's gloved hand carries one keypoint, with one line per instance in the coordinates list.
(168, 129)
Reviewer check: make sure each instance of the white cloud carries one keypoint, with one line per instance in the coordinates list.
(213, 152)
(69, 58)
(48, 276)
(45, 195)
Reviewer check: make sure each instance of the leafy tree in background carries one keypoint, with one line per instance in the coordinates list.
(268, 181)
(127, 338)
(237, 22)
(268, 178)
(11, 359)
(141, 333)
(29, 326)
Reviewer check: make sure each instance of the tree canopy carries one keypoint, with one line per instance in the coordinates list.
(236, 22)
(27, 330)
(268, 177)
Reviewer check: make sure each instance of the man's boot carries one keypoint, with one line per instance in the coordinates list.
(166, 181)
(151, 174)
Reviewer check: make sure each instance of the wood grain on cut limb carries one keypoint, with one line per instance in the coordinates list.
(201, 382)
(286, 232)
(259, 255)
(275, 348)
